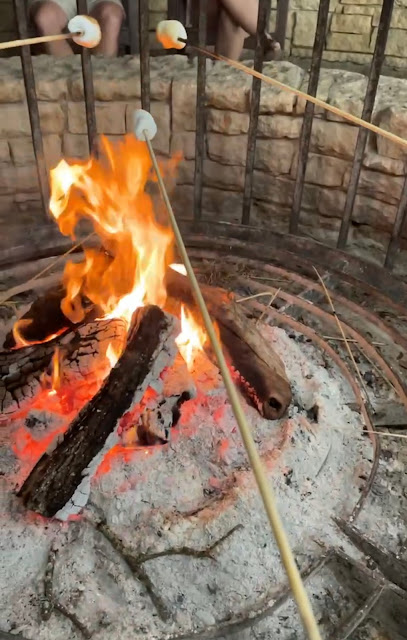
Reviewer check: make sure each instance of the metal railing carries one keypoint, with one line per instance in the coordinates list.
(138, 26)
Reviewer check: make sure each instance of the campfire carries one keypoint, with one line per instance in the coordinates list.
(109, 358)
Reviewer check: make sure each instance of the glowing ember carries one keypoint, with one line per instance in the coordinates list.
(129, 270)
(192, 337)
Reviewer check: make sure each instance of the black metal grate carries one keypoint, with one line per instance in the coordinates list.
(138, 18)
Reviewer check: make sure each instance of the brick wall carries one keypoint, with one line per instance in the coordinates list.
(117, 92)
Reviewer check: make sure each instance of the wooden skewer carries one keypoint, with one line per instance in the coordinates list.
(38, 40)
(301, 94)
(264, 486)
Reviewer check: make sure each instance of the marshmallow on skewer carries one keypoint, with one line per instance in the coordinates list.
(88, 29)
(168, 33)
(144, 125)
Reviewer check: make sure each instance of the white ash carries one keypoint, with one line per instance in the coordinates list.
(190, 493)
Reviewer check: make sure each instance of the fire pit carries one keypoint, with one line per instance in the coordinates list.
(129, 508)
(128, 500)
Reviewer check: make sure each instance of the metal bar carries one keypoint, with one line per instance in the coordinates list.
(374, 77)
(144, 53)
(254, 110)
(305, 137)
(88, 87)
(200, 113)
(29, 82)
(177, 10)
(397, 230)
(281, 22)
(133, 20)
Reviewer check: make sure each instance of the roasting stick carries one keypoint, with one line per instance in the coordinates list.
(145, 129)
(83, 30)
(172, 35)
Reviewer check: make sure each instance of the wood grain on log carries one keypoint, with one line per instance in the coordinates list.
(249, 353)
(83, 353)
(57, 475)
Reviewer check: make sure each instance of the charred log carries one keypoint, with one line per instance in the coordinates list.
(249, 353)
(58, 474)
(82, 351)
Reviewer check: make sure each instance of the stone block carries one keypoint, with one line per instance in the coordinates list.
(396, 43)
(52, 117)
(372, 212)
(333, 138)
(348, 94)
(273, 99)
(331, 202)
(7, 207)
(311, 5)
(351, 23)
(161, 113)
(368, 3)
(14, 120)
(4, 151)
(275, 156)
(228, 88)
(304, 29)
(76, 146)
(361, 10)
(279, 126)
(395, 120)
(376, 162)
(378, 185)
(227, 149)
(350, 42)
(340, 56)
(110, 118)
(183, 98)
(275, 189)
(22, 150)
(19, 179)
(183, 142)
(229, 122)
(220, 176)
(398, 18)
(155, 17)
(323, 170)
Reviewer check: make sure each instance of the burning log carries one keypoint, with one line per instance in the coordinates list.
(249, 353)
(58, 478)
(83, 351)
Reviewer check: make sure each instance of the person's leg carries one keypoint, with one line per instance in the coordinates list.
(50, 19)
(230, 37)
(110, 16)
(244, 13)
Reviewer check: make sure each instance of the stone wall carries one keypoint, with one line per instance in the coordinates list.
(117, 91)
(352, 30)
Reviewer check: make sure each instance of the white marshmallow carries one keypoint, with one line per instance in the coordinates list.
(168, 32)
(89, 30)
(143, 125)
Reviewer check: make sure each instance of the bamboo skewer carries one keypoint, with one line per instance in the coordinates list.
(39, 39)
(259, 472)
(301, 94)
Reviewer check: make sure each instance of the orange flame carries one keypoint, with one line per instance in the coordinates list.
(112, 355)
(56, 371)
(110, 192)
(192, 338)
